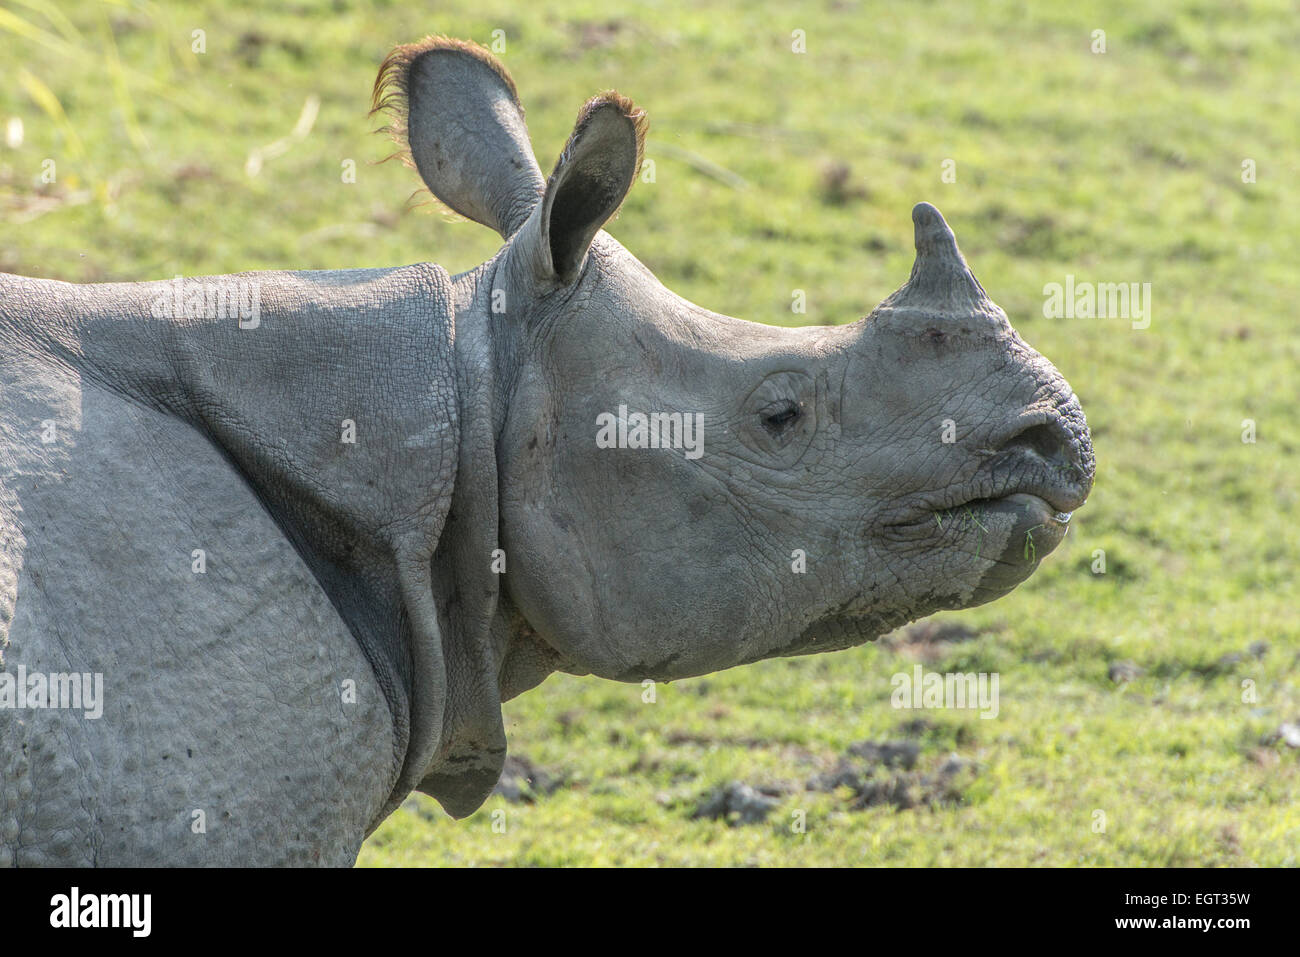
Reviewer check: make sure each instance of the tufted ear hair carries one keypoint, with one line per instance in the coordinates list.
(456, 117)
(589, 183)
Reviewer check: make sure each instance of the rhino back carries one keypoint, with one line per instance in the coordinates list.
(242, 719)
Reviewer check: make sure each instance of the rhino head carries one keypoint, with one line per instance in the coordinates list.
(681, 491)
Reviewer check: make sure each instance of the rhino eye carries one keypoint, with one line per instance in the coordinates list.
(778, 418)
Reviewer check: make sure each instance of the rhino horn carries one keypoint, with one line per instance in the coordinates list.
(456, 117)
(941, 285)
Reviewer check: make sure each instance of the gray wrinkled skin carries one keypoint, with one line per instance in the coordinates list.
(349, 639)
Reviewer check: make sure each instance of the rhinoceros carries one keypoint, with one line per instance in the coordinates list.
(277, 545)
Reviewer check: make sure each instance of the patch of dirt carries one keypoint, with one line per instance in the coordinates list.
(678, 737)
(738, 804)
(1022, 235)
(917, 727)
(1264, 757)
(928, 641)
(873, 773)
(836, 185)
(523, 782)
(1122, 672)
(252, 43)
(595, 35)
(886, 773)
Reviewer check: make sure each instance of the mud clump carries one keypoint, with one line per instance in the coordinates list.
(523, 782)
(886, 774)
(737, 804)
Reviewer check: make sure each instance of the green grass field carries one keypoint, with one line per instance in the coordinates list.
(1122, 166)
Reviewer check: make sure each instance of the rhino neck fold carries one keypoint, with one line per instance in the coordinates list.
(473, 745)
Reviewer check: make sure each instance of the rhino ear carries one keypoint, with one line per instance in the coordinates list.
(457, 118)
(590, 180)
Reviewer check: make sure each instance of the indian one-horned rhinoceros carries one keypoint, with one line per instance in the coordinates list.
(277, 545)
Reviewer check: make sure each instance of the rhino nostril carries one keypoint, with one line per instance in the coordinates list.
(1050, 442)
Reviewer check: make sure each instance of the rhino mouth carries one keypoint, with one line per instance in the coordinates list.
(1035, 518)
(1047, 510)
(1051, 495)
(1006, 535)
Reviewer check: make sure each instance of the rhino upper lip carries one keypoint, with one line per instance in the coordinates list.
(1063, 499)
(1056, 486)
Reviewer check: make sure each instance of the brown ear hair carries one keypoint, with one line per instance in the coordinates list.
(456, 117)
